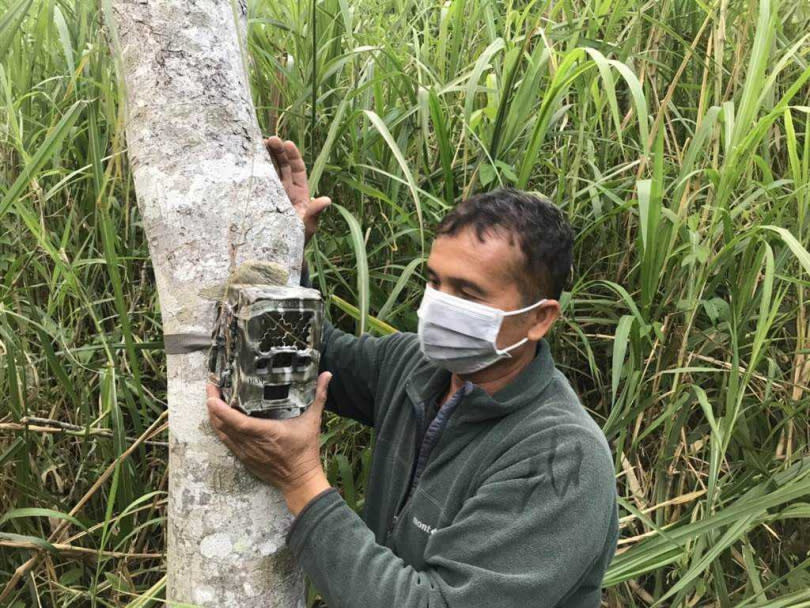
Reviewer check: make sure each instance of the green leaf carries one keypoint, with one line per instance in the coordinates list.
(20, 538)
(40, 512)
(42, 156)
(801, 254)
(621, 341)
(10, 24)
(359, 246)
(403, 165)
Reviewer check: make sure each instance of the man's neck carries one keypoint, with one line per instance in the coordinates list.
(497, 376)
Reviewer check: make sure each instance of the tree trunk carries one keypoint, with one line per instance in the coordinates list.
(210, 201)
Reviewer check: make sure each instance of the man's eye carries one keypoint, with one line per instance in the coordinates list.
(469, 295)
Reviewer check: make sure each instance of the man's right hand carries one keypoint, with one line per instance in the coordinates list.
(293, 173)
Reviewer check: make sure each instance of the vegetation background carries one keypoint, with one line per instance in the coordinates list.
(675, 135)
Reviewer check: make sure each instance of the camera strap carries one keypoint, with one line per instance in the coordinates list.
(182, 344)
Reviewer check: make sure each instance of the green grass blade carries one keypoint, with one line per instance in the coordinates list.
(359, 246)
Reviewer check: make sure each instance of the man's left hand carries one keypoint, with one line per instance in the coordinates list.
(283, 453)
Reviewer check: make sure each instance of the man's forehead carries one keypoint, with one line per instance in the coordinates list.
(492, 258)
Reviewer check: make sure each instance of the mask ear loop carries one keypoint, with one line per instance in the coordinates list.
(519, 343)
(526, 309)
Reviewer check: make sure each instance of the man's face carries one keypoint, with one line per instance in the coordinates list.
(485, 272)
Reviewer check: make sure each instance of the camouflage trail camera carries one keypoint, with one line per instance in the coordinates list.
(266, 349)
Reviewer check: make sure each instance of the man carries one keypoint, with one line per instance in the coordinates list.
(490, 483)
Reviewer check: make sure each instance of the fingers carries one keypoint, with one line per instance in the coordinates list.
(215, 406)
(233, 424)
(214, 419)
(233, 445)
(298, 170)
(212, 390)
(229, 420)
(275, 146)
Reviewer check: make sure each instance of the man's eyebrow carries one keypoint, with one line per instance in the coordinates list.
(459, 283)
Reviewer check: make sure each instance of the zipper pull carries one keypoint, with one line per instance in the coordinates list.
(391, 527)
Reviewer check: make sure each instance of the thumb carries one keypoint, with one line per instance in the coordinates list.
(316, 205)
(320, 394)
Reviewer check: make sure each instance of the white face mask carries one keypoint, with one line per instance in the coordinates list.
(460, 335)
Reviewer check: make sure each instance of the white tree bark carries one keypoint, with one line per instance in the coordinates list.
(210, 201)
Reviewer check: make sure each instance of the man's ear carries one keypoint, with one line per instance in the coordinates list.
(543, 318)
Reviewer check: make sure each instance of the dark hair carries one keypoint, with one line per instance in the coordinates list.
(544, 235)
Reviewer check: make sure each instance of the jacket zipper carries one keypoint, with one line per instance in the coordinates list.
(420, 417)
(456, 399)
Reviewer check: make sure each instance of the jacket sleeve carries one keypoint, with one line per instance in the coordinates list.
(355, 366)
(531, 535)
(354, 363)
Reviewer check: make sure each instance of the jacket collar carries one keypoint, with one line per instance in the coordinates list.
(427, 381)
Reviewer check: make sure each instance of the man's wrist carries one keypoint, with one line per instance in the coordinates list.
(300, 494)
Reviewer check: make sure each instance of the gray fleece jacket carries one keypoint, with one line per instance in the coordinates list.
(506, 500)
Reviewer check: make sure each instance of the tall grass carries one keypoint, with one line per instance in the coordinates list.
(674, 135)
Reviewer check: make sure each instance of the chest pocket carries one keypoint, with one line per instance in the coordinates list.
(413, 528)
